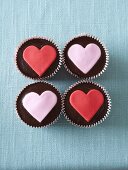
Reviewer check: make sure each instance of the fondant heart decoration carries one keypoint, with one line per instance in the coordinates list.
(84, 58)
(39, 59)
(88, 104)
(39, 105)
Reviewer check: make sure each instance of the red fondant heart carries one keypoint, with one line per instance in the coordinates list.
(39, 59)
(87, 104)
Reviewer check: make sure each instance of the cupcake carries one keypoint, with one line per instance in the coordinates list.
(85, 56)
(38, 58)
(86, 104)
(39, 104)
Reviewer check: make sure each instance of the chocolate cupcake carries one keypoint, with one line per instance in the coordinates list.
(85, 56)
(38, 58)
(86, 104)
(39, 104)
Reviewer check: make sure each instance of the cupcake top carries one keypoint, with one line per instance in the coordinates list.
(85, 56)
(38, 58)
(86, 104)
(39, 104)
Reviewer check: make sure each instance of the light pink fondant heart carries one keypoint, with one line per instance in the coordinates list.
(84, 58)
(39, 105)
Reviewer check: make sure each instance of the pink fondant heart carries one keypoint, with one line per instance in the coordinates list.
(84, 58)
(39, 105)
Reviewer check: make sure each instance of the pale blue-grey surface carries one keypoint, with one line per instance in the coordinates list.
(64, 146)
